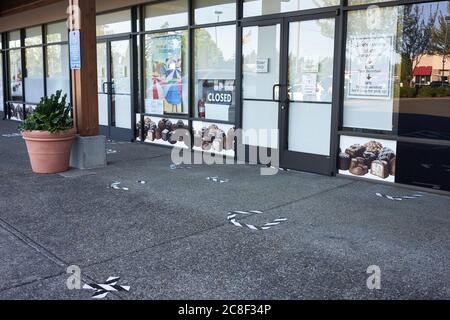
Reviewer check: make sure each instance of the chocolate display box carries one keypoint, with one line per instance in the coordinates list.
(371, 159)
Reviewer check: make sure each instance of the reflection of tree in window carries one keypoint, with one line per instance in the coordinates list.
(415, 41)
(207, 53)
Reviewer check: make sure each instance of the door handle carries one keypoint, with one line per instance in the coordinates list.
(105, 87)
(274, 93)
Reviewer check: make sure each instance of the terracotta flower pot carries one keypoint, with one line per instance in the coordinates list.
(49, 152)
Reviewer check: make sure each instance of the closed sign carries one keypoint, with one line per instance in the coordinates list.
(219, 97)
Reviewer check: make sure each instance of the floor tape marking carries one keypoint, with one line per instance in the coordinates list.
(234, 214)
(399, 198)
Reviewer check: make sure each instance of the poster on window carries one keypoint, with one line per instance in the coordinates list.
(374, 159)
(165, 90)
(370, 67)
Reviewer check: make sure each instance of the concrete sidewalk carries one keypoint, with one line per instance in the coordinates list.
(170, 238)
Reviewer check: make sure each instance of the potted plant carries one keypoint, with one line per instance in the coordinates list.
(49, 135)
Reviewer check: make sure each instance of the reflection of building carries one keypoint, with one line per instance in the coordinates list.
(429, 69)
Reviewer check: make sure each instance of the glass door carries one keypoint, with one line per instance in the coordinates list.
(307, 98)
(114, 89)
(261, 52)
(287, 88)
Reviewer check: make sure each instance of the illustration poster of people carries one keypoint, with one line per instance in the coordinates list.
(165, 89)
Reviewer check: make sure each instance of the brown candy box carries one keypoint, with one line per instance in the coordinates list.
(355, 150)
(344, 161)
(380, 169)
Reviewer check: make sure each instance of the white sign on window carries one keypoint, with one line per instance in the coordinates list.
(370, 67)
(262, 65)
(153, 106)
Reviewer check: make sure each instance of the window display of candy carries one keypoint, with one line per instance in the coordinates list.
(16, 112)
(363, 157)
(29, 109)
(214, 138)
(162, 131)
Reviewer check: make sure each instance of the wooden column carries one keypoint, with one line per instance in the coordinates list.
(82, 16)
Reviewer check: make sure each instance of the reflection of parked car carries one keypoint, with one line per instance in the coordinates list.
(439, 84)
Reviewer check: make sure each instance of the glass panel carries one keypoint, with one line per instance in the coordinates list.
(424, 165)
(262, 7)
(166, 68)
(261, 61)
(103, 109)
(14, 39)
(370, 68)
(34, 80)
(164, 15)
(260, 119)
(354, 2)
(102, 78)
(120, 67)
(57, 32)
(424, 109)
(114, 23)
(121, 111)
(15, 75)
(309, 128)
(310, 76)
(211, 11)
(311, 60)
(33, 36)
(58, 77)
(397, 71)
(120, 84)
(215, 68)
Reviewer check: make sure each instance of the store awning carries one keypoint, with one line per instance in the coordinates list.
(422, 71)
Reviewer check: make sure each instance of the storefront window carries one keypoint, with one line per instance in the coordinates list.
(58, 69)
(214, 72)
(355, 2)
(262, 7)
(387, 48)
(168, 14)
(207, 11)
(14, 39)
(114, 23)
(33, 36)
(57, 32)
(15, 75)
(166, 78)
(34, 79)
